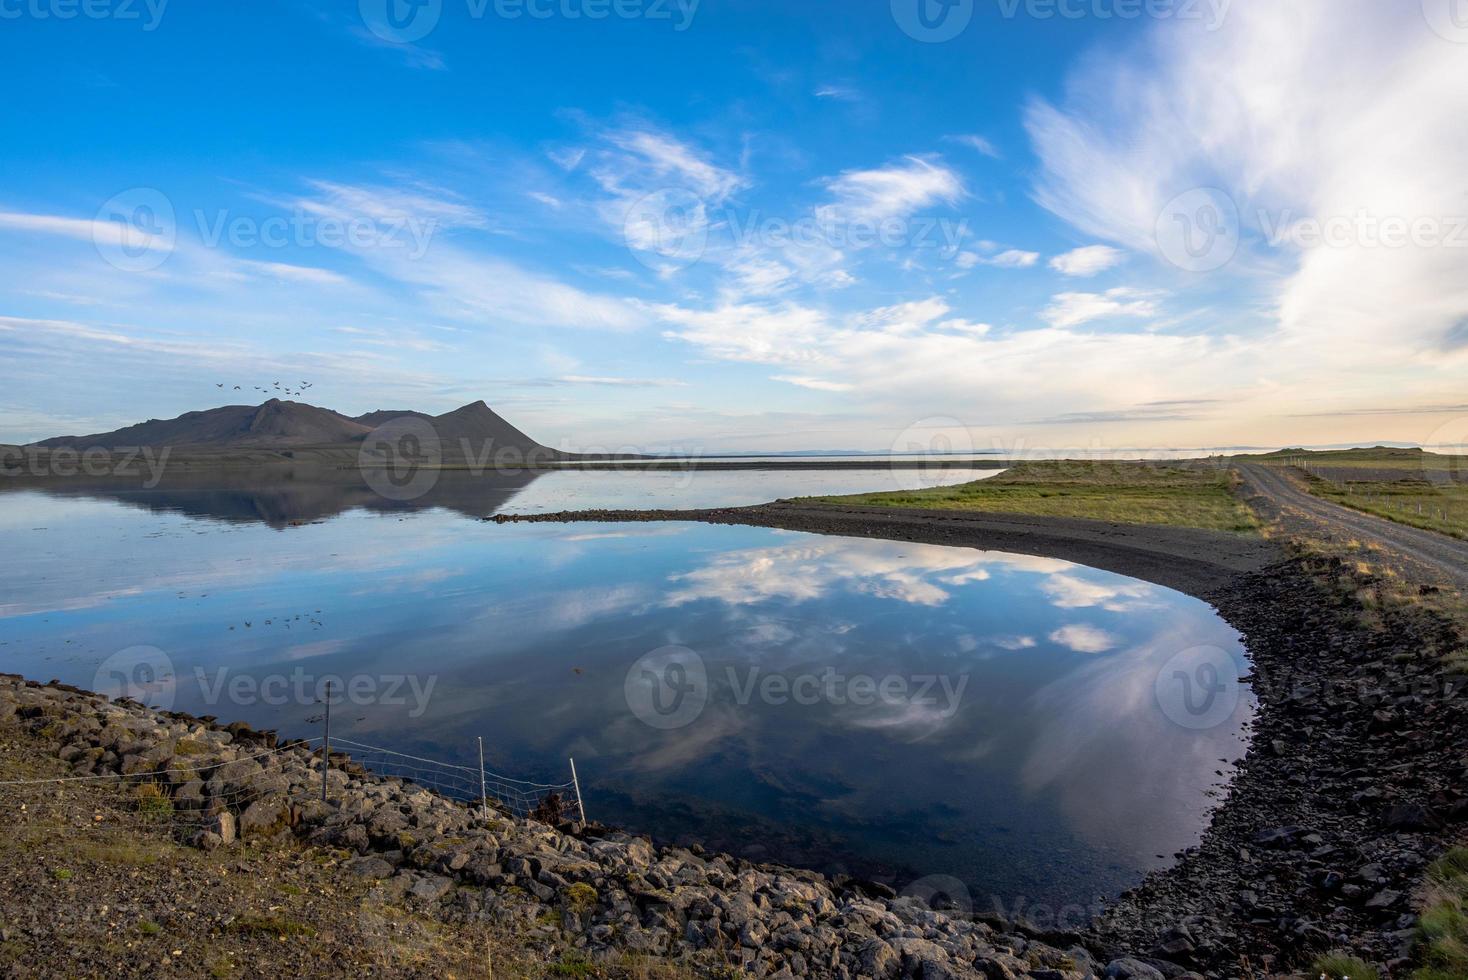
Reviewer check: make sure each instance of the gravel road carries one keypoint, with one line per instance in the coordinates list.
(1441, 560)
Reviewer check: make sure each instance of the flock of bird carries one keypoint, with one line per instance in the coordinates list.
(285, 389)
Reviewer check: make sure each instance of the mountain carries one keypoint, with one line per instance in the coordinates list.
(474, 432)
(374, 419)
(476, 424)
(275, 424)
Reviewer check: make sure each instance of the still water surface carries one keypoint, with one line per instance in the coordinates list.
(885, 709)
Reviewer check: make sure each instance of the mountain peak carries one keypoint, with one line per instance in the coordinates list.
(473, 408)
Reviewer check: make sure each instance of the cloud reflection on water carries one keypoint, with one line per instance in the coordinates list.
(1055, 745)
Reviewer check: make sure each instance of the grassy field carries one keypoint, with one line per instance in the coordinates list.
(1441, 508)
(1380, 462)
(1426, 490)
(1183, 495)
(1442, 932)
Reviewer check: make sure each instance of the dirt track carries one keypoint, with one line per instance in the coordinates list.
(1438, 559)
(1188, 560)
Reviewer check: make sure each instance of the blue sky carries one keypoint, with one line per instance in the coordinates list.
(744, 225)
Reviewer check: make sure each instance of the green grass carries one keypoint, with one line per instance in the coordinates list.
(1405, 461)
(1434, 507)
(1178, 495)
(1337, 966)
(1442, 932)
(573, 965)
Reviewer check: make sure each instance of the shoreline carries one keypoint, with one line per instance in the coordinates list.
(1343, 797)
(1332, 816)
(573, 889)
(1187, 560)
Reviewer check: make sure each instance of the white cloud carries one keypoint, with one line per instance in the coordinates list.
(977, 142)
(421, 206)
(815, 568)
(1084, 639)
(815, 384)
(1013, 258)
(1088, 261)
(895, 191)
(658, 189)
(1074, 592)
(464, 285)
(582, 379)
(1325, 108)
(916, 353)
(966, 326)
(295, 273)
(124, 234)
(668, 161)
(460, 283)
(1074, 309)
(567, 159)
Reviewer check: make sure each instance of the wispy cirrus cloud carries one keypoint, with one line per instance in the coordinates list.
(1371, 127)
(979, 143)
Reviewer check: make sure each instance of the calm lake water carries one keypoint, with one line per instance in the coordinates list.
(1041, 731)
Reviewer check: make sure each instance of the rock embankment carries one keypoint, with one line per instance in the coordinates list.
(599, 891)
(1356, 780)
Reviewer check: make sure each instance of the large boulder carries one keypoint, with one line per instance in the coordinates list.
(266, 817)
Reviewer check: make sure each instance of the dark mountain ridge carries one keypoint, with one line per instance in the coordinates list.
(473, 429)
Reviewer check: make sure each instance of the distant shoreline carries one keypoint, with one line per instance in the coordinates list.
(29, 461)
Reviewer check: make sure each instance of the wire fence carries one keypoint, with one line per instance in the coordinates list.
(189, 799)
(549, 802)
(185, 800)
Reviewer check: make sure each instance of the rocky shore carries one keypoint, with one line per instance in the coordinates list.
(599, 891)
(1357, 778)
(1358, 771)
